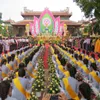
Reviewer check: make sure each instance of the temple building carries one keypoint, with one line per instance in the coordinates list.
(28, 16)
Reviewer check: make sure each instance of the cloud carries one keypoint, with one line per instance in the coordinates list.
(13, 8)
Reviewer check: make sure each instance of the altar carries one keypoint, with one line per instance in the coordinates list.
(47, 28)
(47, 38)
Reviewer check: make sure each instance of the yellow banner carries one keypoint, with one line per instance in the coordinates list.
(93, 74)
(69, 89)
(30, 74)
(87, 57)
(20, 88)
(92, 60)
(67, 74)
(61, 68)
(9, 67)
(79, 63)
(99, 60)
(85, 69)
(4, 75)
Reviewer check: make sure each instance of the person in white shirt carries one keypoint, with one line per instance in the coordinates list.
(91, 78)
(13, 63)
(16, 93)
(6, 91)
(87, 41)
(72, 81)
(4, 68)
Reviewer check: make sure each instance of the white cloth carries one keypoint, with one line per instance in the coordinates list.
(94, 82)
(5, 69)
(74, 84)
(16, 93)
(87, 41)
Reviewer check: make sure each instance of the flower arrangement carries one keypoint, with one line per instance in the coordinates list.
(53, 88)
(40, 74)
(33, 96)
(51, 70)
(54, 77)
(38, 85)
(51, 65)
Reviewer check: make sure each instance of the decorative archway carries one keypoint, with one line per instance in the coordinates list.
(47, 23)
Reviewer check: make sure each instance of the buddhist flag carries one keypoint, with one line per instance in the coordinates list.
(61, 29)
(57, 25)
(36, 25)
(32, 29)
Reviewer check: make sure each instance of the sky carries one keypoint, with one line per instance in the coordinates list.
(11, 9)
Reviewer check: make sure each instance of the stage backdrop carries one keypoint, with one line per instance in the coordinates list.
(47, 24)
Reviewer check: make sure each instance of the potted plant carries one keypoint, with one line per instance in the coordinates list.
(53, 88)
(38, 86)
(33, 96)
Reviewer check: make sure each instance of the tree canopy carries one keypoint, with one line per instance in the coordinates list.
(91, 8)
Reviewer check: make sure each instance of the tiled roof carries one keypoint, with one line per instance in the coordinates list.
(67, 22)
(9, 21)
(71, 23)
(55, 13)
(22, 23)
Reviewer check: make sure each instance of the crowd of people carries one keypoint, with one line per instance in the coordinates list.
(10, 44)
(79, 75)
(84, 72)
(89, 44)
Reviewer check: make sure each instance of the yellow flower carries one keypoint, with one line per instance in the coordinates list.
(41, 89)
(33, 95)
(53, 91)
(32, 86)
(56, 89)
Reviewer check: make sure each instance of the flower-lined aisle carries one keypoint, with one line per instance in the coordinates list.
(45, 58)
(50, 71)
(46, 81)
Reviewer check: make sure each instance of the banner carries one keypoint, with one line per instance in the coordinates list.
(57, 25)
(46, 22)
(36, 25)
(32, 29)
(61, 29)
